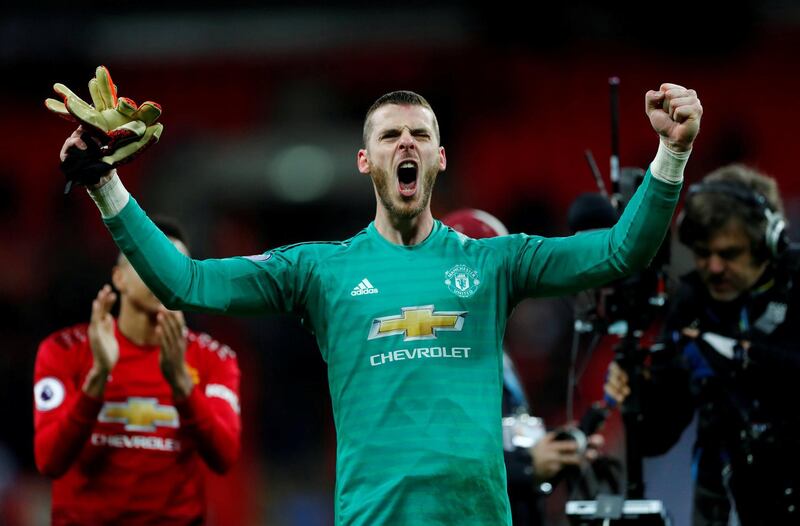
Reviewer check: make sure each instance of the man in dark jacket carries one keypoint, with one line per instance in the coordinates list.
(729, 350)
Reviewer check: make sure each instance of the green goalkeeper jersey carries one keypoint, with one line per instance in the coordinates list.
(412, 339)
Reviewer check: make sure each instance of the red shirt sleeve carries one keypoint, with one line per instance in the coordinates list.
(211, 411)
(63, 414)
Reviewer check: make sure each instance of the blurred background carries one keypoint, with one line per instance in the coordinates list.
(263, 107)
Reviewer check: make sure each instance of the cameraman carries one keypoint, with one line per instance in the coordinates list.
(730, 352)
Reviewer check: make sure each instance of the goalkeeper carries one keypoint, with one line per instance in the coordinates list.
(409, 315)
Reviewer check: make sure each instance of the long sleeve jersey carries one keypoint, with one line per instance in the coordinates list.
(134, 456)
(412, 340)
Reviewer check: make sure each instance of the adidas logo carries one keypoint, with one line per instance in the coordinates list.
(365, 287)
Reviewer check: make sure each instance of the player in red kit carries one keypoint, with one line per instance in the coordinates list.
(126, 410)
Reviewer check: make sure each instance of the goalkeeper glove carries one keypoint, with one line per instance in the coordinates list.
(123, 129)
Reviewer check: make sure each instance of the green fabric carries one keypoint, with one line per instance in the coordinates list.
(416, 392)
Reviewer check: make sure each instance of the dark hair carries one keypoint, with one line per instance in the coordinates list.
(733, 192)
(171, 228)
(401, 98)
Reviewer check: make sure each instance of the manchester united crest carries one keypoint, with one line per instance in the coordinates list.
(462, 281)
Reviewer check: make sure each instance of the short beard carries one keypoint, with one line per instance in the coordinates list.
(382, 182)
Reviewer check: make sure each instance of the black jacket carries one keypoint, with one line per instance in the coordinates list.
(748, 415)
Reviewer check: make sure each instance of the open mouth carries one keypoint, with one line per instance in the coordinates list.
(407, 178)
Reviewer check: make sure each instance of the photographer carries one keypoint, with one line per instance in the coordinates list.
(729, 351)
(533, 470)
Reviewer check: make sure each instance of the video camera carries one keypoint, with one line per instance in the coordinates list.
(614, 508)
(631, 303)
(624, 308)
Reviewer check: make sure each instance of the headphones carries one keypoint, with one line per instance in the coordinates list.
(776, 237)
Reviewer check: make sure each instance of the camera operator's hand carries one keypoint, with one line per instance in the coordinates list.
(550, 455)
(617, 383)
(730, 348)
(594, 444)
(674, 113)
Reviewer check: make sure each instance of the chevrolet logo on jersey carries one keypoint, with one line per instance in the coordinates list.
(417, 323)
(139, 414)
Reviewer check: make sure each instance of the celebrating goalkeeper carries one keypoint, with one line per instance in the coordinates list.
(409, 315)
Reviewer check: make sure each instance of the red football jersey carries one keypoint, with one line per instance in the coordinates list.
(135, 456)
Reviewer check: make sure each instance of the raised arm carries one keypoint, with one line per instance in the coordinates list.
(564, 265)
(280, 281)
(112, 131)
